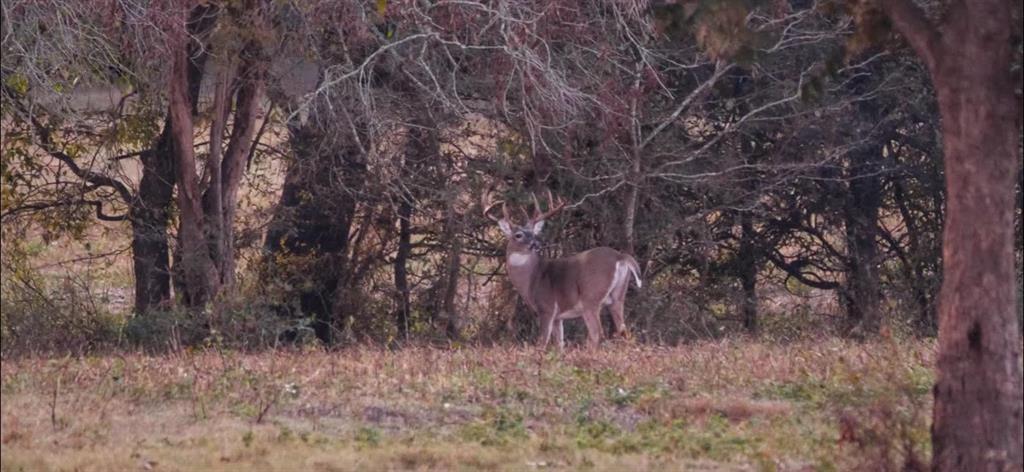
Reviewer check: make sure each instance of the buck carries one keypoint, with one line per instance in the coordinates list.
(577, 286)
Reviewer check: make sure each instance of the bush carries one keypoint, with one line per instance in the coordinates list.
(163, 329)
(234, 325)
(40, 317)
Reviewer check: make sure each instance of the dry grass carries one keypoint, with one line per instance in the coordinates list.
(709, 406)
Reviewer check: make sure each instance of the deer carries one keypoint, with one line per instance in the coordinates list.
(576, 286)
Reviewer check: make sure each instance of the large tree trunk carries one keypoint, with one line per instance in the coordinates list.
(207, 262)
(977, 422)
(151, 209)
(978, 409)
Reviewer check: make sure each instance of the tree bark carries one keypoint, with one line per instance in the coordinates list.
(862, 292)
(977, 418)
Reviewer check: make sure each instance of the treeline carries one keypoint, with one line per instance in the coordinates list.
(288, 170)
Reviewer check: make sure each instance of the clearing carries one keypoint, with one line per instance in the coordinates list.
(734, 404)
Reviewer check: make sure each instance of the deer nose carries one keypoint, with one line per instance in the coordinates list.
(535, 245)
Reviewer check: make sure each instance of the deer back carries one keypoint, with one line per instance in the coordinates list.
(580, 281)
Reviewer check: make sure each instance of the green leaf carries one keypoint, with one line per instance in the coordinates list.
(18, 83)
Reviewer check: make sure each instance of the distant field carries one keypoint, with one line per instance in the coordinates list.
(730, 405)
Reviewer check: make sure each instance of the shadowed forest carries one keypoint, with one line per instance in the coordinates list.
(256, 234)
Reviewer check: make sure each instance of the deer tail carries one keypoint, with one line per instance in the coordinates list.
(634, 268)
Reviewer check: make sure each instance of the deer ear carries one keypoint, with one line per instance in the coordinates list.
(537, 226)
(505, 227)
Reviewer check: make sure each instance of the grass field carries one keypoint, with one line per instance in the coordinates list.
(726, 405)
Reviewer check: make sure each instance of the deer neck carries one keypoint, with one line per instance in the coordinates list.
(523, 270)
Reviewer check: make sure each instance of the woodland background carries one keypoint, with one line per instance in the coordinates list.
(249, 233)
(774, 167)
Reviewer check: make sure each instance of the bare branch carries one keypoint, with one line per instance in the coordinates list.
(45, 140)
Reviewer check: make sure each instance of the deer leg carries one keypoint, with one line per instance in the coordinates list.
(618, 308)
(547, 322)
(592, 318)
(545, 332)
(560, 334)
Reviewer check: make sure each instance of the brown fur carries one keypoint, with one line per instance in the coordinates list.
(569, 287)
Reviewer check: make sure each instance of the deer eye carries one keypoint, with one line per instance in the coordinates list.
(519, 236)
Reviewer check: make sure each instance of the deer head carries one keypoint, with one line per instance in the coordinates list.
(568, 287)
(525, 238)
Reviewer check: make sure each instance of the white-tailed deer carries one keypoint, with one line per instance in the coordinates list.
(568, 287)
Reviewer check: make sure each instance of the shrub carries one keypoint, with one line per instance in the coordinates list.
(41, 315)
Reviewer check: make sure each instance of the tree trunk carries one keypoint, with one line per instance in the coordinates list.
(748, 268)
(247, 109)
(451, 284)
(749, 255)
(308, 236)
(977, 420)
(151, 209)
(632, 200)
(213, 197)
(864, 197)
(636, 153)
(401, 273)
(150, 214)
(195, 266)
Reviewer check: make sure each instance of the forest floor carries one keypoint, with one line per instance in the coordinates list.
(724, 405)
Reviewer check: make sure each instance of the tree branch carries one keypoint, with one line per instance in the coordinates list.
(793, 270)
(45, 137)
(720, 70)
(103, 216)
(37, 206)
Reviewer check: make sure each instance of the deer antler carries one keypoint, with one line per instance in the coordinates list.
(554, 206)
(487, 205)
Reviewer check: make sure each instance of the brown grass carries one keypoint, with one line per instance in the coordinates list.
(717, 405)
